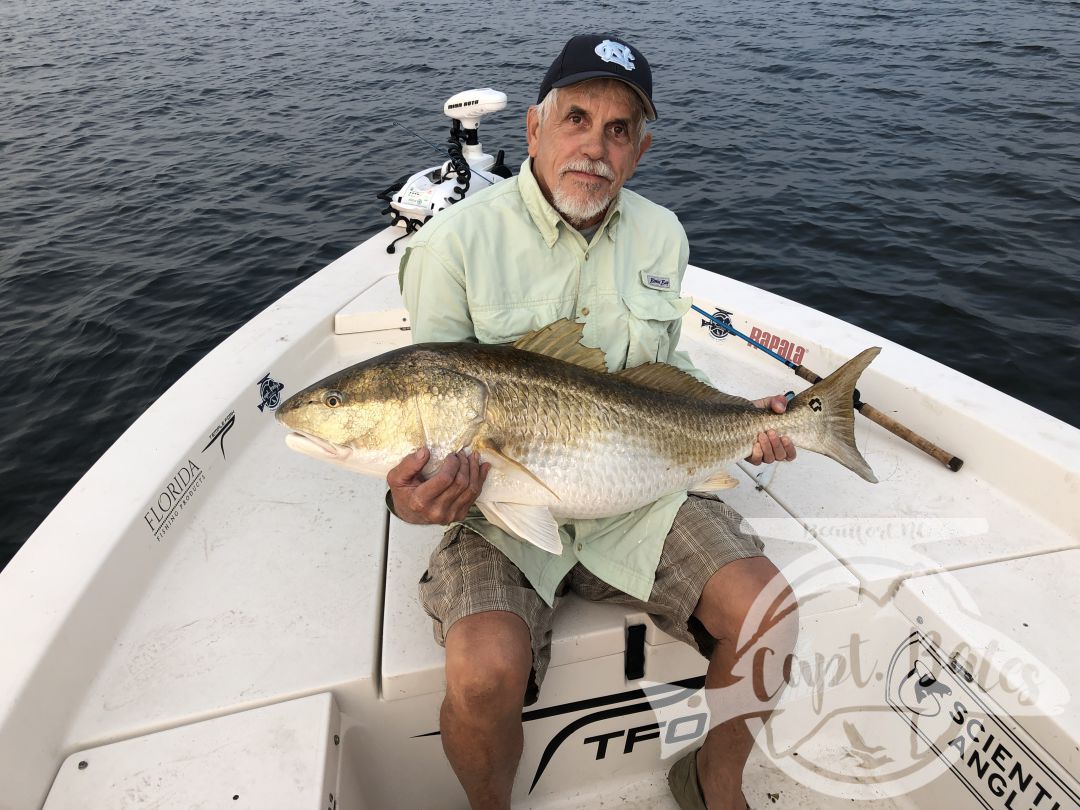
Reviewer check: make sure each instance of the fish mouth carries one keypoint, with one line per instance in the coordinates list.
(314, 446)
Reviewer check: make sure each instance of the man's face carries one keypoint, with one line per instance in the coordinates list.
(585, 150)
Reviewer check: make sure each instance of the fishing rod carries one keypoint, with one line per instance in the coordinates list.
(867, 410)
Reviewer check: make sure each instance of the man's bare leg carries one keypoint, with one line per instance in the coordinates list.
(725, 603)
(488, 661)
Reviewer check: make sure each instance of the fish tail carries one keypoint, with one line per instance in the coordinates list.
(834, 425)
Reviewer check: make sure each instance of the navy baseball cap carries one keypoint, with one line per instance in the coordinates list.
(601, 56)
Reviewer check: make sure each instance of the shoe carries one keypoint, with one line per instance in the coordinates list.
(683, 783)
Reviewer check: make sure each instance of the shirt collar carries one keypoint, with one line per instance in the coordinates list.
(547, 219)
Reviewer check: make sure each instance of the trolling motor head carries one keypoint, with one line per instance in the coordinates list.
(425, 193)
(469, 106)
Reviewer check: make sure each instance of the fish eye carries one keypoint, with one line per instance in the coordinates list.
(333, 399)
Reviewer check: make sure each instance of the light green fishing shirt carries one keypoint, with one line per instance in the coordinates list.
(503, 263)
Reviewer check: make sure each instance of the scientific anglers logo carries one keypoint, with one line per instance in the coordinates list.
(219, 432)
(270, 391)
(838, 693)
(996, 760)
(172, 499)
(718, 332)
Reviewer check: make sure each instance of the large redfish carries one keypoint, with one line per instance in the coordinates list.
(564, 437)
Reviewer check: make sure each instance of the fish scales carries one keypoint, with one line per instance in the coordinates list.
(598, 442)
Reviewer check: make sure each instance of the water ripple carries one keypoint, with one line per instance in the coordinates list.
(169, 170)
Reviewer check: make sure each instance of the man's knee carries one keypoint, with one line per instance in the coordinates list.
(745, 598)
(488, 662)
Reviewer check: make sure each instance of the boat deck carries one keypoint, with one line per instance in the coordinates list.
(199, 572)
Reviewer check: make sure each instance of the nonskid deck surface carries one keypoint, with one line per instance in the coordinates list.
(280, 577)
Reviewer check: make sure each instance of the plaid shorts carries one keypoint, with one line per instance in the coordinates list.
(468, 575)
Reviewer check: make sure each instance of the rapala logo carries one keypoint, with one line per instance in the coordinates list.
(787, 349)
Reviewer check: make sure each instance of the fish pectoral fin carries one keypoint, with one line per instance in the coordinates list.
(531, 523)
(718, 480)
(510, 467)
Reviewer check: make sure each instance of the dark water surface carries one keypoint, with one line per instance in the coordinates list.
(169, 169)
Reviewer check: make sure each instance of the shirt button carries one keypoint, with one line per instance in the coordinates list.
(584, 310)
(579, 546)
(586, 257)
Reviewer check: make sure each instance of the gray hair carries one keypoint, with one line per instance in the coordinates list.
(602, 88)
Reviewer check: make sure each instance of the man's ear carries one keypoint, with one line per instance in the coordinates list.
(532, 129)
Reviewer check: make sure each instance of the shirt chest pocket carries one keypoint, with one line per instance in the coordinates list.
(505, 324)
(652, 320)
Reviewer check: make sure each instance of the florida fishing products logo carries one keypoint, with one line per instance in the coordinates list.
(174, 496)
(270, 391)
(872, 707)
(718, 332)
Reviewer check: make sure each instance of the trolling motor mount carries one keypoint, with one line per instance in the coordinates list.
(435, 189)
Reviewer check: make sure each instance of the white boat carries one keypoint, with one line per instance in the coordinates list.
(210, 620)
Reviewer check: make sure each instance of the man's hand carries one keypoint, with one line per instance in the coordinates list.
(769, 447)
(445, 497)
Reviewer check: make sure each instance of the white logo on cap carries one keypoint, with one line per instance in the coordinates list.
(615, 52)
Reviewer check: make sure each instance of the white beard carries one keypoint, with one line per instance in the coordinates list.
(576, 209)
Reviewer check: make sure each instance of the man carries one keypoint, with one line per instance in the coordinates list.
(565, 240)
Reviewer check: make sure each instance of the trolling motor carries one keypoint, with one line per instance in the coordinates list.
(415, 200)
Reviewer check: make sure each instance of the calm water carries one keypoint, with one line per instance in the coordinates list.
(167, 170)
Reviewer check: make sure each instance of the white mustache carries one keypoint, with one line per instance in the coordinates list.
(597, 167)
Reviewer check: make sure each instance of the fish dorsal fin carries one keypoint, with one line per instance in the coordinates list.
(561, 339)
(662, 377)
